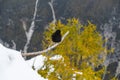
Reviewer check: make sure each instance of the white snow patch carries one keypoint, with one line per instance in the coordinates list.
(56, 57)
(79, 73)
(14, 67)
(38, 62)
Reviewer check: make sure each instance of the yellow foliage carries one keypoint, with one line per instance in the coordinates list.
(80, 47)
(91, 41)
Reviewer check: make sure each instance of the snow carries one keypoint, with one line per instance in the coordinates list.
(14, 67)
(56, 57)
(38, 62)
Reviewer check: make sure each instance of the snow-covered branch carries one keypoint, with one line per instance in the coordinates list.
(53, 12)
(29, 33)
(46, 50)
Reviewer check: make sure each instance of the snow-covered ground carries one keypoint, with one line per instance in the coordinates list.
(14, 67)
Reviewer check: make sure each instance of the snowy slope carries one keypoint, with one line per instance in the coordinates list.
(14, 67)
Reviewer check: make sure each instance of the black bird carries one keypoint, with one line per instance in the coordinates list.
(56, 36)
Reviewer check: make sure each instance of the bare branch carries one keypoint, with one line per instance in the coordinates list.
(35, 12)
(31, 29)
(46, 50)
(24, 26)
(53, 11)
(14, 45)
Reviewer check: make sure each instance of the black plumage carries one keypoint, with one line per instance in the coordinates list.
(56, 36)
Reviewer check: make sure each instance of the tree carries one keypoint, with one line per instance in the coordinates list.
(78, 53)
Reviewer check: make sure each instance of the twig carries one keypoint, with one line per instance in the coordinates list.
(46, 50)
(53, 11)
(14, 45)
